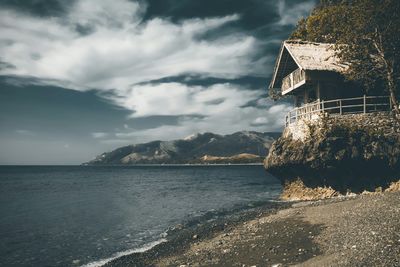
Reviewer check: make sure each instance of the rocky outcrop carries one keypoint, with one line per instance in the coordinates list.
(206, 148)
(351, 152)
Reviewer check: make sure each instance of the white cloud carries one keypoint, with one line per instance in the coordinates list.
(99, 135)
(107, 13)
(290, 15)
(178, 99)
(223, 117)
(121, 51)
(260, 121)
(222, 123)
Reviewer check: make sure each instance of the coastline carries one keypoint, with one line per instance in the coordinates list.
(174, 165)
(360, 230)
(180, 237)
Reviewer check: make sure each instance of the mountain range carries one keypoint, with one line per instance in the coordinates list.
(202, 148)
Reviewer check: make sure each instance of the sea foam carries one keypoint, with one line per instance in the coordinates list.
(146, 247)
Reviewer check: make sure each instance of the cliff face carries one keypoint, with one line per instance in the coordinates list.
(350, 152)
(207, 148)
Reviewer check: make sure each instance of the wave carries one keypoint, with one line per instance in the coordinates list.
(142, 249)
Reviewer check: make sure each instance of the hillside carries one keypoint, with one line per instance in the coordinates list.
(205, 148)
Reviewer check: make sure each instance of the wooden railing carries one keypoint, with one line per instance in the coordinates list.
(364, 104)
(292, 79)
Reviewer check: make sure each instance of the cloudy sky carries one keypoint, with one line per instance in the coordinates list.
(80, 77)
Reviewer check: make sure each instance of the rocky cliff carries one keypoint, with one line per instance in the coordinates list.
(206, 148)
(350, 152)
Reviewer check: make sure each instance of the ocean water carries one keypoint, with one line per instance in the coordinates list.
(78, 215)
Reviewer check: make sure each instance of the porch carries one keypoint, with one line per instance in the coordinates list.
(364, 104)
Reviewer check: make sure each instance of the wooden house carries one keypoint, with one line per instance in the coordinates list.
(313, 74)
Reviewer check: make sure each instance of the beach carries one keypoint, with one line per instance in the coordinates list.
(362, 230)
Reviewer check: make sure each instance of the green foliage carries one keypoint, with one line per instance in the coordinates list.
(367, 37)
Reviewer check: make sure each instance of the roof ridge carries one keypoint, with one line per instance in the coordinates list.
(299, 41)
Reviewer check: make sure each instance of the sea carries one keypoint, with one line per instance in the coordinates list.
(89, 215)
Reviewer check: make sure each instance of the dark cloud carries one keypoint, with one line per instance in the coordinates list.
(85, 29)
(254, 12)
(248, 82)
(257, 16)
(49, 8)
(6, 65)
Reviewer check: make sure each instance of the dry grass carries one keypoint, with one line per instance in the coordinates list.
(394, 187)
(298, 191)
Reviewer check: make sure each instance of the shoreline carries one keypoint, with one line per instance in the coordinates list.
(360, 230)
(180, 237)
(174, 165)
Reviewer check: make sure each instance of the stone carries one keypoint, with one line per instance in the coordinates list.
(353, 152)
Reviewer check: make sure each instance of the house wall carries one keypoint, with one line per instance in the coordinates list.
(325, 85)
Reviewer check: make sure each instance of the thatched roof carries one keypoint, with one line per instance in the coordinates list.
(307, 56)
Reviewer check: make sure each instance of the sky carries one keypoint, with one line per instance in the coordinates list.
(81, 77)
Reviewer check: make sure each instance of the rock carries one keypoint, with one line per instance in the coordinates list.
(195, 237)
(354, 152)
(178, 227)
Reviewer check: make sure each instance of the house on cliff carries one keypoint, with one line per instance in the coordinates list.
(313, 75)
(336, 135)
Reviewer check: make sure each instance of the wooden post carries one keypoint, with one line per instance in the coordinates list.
(365, 104)
(291, 79)
(319, 105)
(340, 106)
(323, 106)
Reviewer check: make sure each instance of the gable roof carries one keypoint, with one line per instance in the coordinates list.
(306, 56)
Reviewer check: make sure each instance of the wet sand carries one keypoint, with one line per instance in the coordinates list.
(353, 231)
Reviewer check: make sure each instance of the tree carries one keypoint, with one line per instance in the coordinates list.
(367, 37)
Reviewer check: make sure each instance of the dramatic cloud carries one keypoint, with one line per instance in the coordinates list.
(117, 49)
(171, 72)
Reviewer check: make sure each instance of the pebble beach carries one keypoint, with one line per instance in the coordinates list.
(362, 230)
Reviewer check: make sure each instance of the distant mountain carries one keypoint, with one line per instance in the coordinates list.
(206, 148)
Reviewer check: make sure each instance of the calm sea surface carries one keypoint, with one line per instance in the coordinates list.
(72, 216)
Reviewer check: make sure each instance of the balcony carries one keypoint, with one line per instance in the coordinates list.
(364, 104)
(293, 80)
